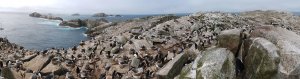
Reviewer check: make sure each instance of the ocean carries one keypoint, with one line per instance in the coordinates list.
(41, 34)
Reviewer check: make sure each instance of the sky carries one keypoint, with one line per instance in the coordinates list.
(145, 6)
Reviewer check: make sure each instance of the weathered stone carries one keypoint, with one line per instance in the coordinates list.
(173, 67)
(289, 45)
(140, 44)
(135, 62)
(57, 69)
(7, 73)
(229, 39)
(115, 50)
(121, 39)
(262, 59)
(28, 58)
(38, 63)
(195, 27)
(216, 63)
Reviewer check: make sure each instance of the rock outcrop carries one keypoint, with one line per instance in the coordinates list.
(83, 23)
(50, 17)
(213, 45)
(73, 23)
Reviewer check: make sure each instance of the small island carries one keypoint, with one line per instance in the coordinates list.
(100, 15)
(49, 16)
(105, 15)
(76, 14)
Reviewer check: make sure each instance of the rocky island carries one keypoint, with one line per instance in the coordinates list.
(205, 45)
(100, 15)
(76, 14)
(50, 17)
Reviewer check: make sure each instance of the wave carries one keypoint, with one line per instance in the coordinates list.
(54, 23)
(71, 28)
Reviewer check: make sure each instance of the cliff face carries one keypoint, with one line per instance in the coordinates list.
(255, 44)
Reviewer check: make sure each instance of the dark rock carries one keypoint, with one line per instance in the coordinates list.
(35, 14)
(76, 14)
(100, 15)
(118, 16)
(173, 67)
(50, 17)
(73, 23)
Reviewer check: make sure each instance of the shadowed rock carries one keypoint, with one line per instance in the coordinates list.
(173, 67)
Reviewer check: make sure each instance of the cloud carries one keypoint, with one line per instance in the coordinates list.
(145, 6)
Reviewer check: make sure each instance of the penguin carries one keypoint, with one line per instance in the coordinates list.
(69, 76)
(116, 75)
(77, 71)
(102, 76)
(50, 76)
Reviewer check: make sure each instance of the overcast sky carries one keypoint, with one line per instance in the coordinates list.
(145, 6)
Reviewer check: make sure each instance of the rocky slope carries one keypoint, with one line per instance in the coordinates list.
(212, 45)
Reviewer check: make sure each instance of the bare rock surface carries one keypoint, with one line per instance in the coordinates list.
(254, 44)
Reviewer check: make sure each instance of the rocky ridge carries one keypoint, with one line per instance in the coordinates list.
(210, 45)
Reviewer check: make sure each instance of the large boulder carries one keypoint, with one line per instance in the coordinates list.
(262, 59)
(216, 63)
(173, 67)
(229, 39)
(289, 49)
(121, 39)
(38, 63)
(56, 69)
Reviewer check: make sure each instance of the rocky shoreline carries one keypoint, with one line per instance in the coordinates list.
(210, 45)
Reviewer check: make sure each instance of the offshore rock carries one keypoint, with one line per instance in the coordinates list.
(100, 15)
(50, 17)
(73, 23)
